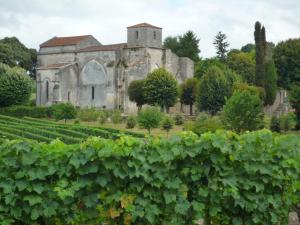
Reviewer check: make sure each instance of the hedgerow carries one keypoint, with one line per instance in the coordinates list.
(220, 177)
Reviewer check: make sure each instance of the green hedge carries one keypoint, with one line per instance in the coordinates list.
(220, 177)
(32, 111)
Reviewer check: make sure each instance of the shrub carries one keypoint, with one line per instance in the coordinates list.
(77, 121)
(88, 115)
(288, 121)
(130, 122)
(30, 111)
(15, 86)
(102, 117)
(167, 124)
(294, 97)
(178, 118)
(149, 118)
(64, 111)
(204, 123)
(275, 124)
(251, 88)
(116, 117)
(243, 111)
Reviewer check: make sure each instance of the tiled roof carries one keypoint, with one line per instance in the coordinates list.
(112, 47)
(61, 41)
(144, 25)
(53, 66)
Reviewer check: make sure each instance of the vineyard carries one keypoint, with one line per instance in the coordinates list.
(46, 131)
(222, 178)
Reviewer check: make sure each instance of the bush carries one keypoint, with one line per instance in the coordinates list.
(243, 111)
(288, 122)
(116, 117)
(178, 118)
(149, 118)
(15, 86)
(167, 124)
(77, 121)
(157, 181)
(64, 111)
(275, 124)
(88, 115)
(103, 116)
(204, 123)
(131, 122)
(30, 111)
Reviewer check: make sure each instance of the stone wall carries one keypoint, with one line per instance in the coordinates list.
(146, 37)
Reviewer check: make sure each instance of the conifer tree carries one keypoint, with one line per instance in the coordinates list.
(221, 45)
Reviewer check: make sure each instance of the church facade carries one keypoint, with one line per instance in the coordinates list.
(82, 71)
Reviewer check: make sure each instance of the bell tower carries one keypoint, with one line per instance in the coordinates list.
(144, 35)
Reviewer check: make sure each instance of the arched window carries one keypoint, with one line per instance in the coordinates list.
(137, 35)
(154, 35)
(47, 91)
(93, 93)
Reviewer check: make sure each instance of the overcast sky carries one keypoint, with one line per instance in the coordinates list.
(35, 21)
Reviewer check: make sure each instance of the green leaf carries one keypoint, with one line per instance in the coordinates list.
(33, 199)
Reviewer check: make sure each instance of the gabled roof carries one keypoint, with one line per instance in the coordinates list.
(144, 25)
(61, 41)
(111, 47)
(54, 66)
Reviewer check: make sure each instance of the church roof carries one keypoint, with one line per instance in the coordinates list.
(54, 66)
(111, 47)
(61, 41)
(144, 25)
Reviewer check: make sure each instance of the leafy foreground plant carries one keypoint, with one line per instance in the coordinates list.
(220, 177)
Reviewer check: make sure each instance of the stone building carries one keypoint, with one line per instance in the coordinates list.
(86, 73)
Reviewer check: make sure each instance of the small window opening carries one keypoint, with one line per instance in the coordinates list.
(47, 91)
(137, 35)
(93, 93)
(154, 35)
(69, 96)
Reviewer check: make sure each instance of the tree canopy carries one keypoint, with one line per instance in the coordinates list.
(136, 92)
(221, 45)
(188, 92)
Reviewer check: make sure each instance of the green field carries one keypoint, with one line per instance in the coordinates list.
(46, 131)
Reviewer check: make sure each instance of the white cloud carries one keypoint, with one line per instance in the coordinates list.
(35, 21)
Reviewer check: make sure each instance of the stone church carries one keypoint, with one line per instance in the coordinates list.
(82, 71)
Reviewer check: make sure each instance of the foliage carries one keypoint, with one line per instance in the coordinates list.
(64, 111)
(243, 111)
(149, 118)
(248, 48)
(252, 89)
(102, 117)
(275, 124)
(188, 92)
(202, 66)
(287, 61)
(130, 122)
(14, 53)
(213, 88)
(204, 123)
(186, 45)
(178, 119)
(288, 122)
(88, 114)
(161, 89)
(15, 86)
(31, 111)
(271, 83)
(167, 123)
(243, 64)
(221, 45)
(295, 101)
(220, 177)
(136, 93)
(116, 117)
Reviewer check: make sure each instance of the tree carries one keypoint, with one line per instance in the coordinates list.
(260, 54)
(130, 122)
(243, 64)
(275, 124)
(271, 83)
(248, 48)
(243, 111)
(287, 61)
(213, 88)
(221, 45)
(149, 118)
(295, 102)
(14, 53)
(186, 45)
(136, 93)
(161, 89)
(188, 91)
(15, 86)
(202, 65)
(64, 111)
(167, 124)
